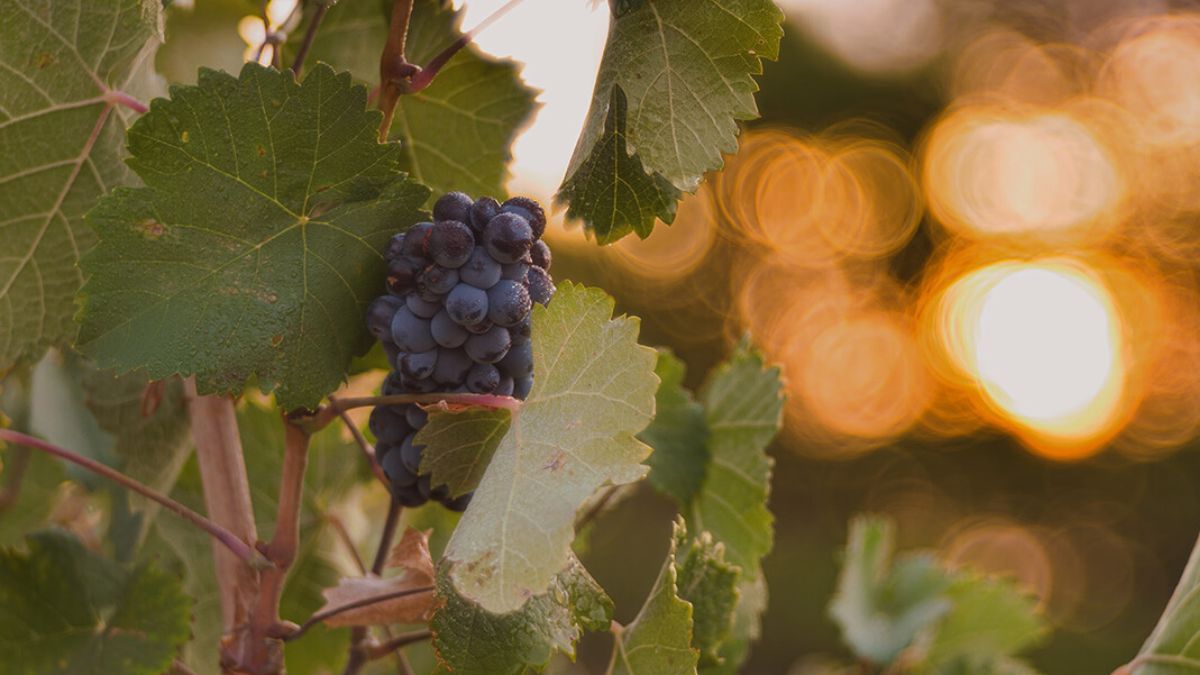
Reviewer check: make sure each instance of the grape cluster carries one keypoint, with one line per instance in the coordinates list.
(456, 319)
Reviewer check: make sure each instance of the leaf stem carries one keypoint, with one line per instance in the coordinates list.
(117, 97)
(425, 77)
(309, 35)
(357, 604)
(235, 545)
(14, 476)
(327, 413)
(378, 651)
(364, 445)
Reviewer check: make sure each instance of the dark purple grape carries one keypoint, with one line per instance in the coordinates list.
(410, 497)
(452, 206)
(418, 365)
(415, 417)
(390, 349)
(518, 362)
(480, 270)
(483, 378)
(414, 386)
(452, 367)
(489, 347)
(467, 305)
(540, 254)
(508, 303)
(530, 210)
(518, 271)
(447, 333)
(505, 388)
(541, 287)
(427, 295)
(395, 247)
(410, 454)
(458, 504)
(393, 384)
(440, 493)
(482, 212)
(424, 487)
(388, 424)
(521, 387)
(508, 237)
(402, 274)
(436, 280)
(480, 328)
(382, 449)
(410, 332)
(425, 310)
(414, 240)
(397, 473)
(380, 313)
(450, 243)
(522, 331)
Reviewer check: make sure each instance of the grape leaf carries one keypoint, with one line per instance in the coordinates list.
(411, 557)
(257, 241)
(29, 480)
(593, 390)
(989, 619)
(678, 434)
(462, 443)
(710, 584)
(747, 628)
(610, 191)
(457, 133)
(882, 606)
(1172, 647)
(659, 640)
(68, 611)
(60, 150)
(743, 408)
(686, 70)
(473, 641)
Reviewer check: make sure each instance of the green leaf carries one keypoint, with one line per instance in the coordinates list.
(460, 445)
(1173, 647)
(471, 640)
(457, 133)
(882, 607)
(971, 665)
(686, 71)
(747, 628)
(59, 413)
(593, 390)
(743, 406)
(60, 150)
(68, 611)
(989, 619)
(659, 640)
(678, 434)
(610, 191)
(257, 243)
(710, 584)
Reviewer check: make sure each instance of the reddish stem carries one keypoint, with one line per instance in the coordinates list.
(357, 604)
(117, 97)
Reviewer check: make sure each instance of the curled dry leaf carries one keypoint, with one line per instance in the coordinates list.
(411, 556)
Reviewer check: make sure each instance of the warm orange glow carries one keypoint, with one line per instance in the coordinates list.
(991, 171)
(1044, 344)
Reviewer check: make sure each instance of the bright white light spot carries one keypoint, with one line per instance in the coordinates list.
(873, 35)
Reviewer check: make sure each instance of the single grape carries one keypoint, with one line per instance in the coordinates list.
(452, 368)
(418, 365)
(483, 378)
(540, 254)
(395, 247)
(402, 274)
(413, 385)
(489, 347)
(427, 295)
(452, 206)
(541, 287)
(380, 313)
(480, 270)
(414, 240)
(522, 331)
(447, 333)
(388, 424)
(410, 332)
(518, 271)
(508, 303)
(522, 387)
(528, 209)
(393, 384)
(383, 448)
(467, 305)
(450, 243)
(508, 237)
(425, 310)
(415, 417)
(410, 497)
(518, 362)
(480, 328)
(505, 388)
(397, 473)
(458, 504)
(436, 280)
(410, 454)
(482, 212)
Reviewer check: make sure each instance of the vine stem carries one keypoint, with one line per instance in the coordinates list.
(364, 445)
(379, 651)
(357, 604)
(309, 35)
(235, 545)
(328, 413)
(358, 635)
